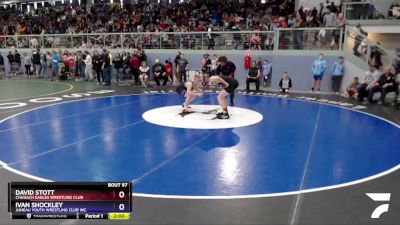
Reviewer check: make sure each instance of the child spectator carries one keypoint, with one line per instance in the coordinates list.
(286, 83)
(168, 70)
(337, 74)
(353, 87)
(318, 70)
(144, 72)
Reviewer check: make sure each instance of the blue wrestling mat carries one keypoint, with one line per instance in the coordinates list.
(271, 146)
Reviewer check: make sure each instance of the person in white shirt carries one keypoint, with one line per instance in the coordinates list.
(88, 66)
(144, 72)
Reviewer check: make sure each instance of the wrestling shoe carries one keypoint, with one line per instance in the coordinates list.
(223, 116)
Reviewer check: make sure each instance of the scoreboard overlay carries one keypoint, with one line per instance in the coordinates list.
(70, 200)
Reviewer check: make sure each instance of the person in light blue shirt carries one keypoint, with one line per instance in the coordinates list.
(55, 65)
(337, 74)
(318, 70)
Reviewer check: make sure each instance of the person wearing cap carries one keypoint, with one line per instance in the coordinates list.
(159, 73)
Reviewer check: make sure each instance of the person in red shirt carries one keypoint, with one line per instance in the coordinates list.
(168, 70)
(135, 64)
(71, 64)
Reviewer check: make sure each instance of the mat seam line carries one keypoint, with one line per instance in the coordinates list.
(294, 216)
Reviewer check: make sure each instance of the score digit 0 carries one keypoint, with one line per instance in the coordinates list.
(121, 207)
(121, 194)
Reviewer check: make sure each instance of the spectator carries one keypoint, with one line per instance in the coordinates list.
(352, 90)
(126, 62)
(329, 21)
(358, 39)
(298, 34)
(142, 55)
(385, 84)
(28, 64)
(396, 102)
(285, 83)
(159, 73)
(337, 73)
(106, 59)
(71, 65)
(11, 60)
(118, 65)
(206, 68)
(2, 68)
(81, 64)
(255, 41)
(36, 62)
(182, 69)
(97, 66)
(88, 66)
(134, 65)
(176, 61)
(168, 70)
(394, 11)
(266, 69)
(375, 56)
(253, 76)
(144, 72)
(55, 66)
(318, 70)
(214, 65)
(44, 61)
(369, 80)
(17, 58)
(339, 24)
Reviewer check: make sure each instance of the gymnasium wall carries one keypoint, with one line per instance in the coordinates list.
(298, 67)
(297, 64)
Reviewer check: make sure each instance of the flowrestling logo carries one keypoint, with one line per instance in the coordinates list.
(379, 197)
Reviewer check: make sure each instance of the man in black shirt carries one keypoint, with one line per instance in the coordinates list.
(11, 60)
(226, 68)
(2, 68)
(106, 67)
(385, 84)
(36, 62)
(253, 76)
(97, 61)
(17, 58)
(159, 73)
